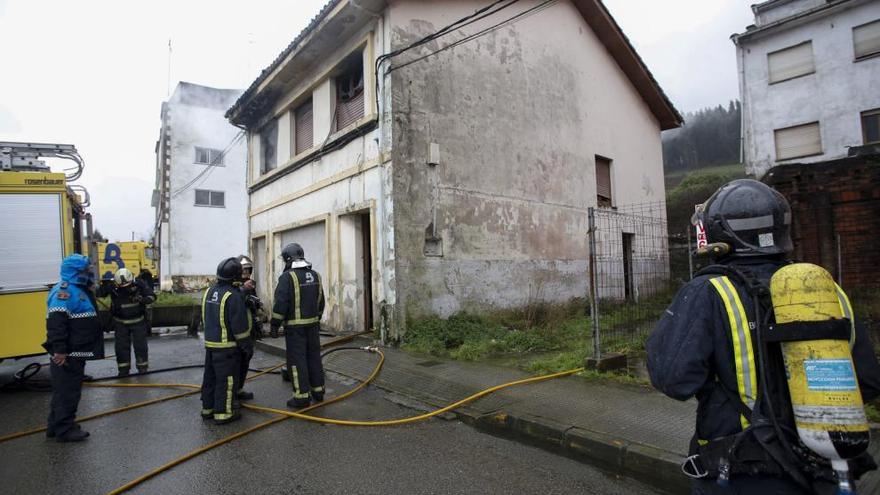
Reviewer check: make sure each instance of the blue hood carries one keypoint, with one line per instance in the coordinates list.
(75, 270)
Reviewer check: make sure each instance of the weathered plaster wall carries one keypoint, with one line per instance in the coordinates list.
(519, 115)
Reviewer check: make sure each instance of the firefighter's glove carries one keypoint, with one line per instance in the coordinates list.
(138, 298)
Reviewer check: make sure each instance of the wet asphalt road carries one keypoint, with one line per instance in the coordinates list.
(434, 456)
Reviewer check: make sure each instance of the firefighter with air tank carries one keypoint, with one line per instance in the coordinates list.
(773, 354)
(129, 297)
(298, 306)
(227, 324)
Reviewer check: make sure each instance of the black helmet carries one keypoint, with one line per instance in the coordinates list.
(751, 217)
(292, 252)
(229, 270)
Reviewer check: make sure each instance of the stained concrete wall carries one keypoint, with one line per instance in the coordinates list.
(834, 95)
(199, 237)
(519, 116)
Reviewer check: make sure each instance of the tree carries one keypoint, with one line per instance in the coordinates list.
(97, 236)
(710, 136)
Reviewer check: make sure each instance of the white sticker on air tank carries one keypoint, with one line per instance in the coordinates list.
(765, 240)
(830, 374)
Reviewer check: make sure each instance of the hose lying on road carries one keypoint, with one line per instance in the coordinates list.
(131, 484)
(129, 407)
(301, 415)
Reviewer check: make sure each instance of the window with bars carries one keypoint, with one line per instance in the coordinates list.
(269, 146)
(871, 126)
(791, 62)
(349, 92)
(798, 141)
(604, 197)
(303, 134)
(215, 199)
(866, 40)
(208, 156)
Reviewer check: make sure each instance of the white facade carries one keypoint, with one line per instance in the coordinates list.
(833, 89)
(201, 198)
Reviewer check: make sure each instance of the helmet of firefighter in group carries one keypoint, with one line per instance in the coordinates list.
(229, 270)
(246, 263)
(292, 252)
(749, 217)
(123, 277)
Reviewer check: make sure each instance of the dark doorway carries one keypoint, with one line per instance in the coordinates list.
(628, 265)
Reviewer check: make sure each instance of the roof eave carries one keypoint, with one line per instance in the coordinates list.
(629, 61)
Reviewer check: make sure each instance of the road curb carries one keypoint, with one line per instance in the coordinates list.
(647, 464)
(650, 465)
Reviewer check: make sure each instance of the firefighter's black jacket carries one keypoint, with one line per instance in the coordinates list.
(123, 305)
(299, 298)
(225, 316)
(690, 352)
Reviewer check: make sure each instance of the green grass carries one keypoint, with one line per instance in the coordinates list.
(737, 170)
(541, 339)
(162, 299)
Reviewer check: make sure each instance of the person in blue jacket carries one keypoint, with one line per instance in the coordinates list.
(705, 346)
(73, 337)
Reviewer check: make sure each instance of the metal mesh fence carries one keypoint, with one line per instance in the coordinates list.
(635, 269)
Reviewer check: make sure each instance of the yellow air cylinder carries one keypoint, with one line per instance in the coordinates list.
(825, 396)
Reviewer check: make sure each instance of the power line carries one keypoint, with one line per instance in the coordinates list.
(209, 167)
(475, 35)
(464, 21)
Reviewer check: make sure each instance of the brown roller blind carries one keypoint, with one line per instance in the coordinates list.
(348, 111)
(302, 117)
(603, 182)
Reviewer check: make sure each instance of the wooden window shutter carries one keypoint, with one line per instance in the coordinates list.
(791, 62)
(603, 182)
(798, 141)
(866, 39)
(304, 134)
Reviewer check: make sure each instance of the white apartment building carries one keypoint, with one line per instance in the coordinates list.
(809, 81)
(200, 197)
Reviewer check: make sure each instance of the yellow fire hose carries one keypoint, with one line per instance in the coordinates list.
(283, 414)
(412, 419)
(136, 405)
(201, 450)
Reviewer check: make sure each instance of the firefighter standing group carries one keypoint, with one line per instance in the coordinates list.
(229, 313)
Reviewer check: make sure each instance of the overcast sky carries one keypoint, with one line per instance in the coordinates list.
(94, 73)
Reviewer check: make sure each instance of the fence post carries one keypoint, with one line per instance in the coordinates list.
(594, 290)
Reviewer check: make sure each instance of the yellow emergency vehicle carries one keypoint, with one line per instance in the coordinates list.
(42, 220)
(134, 255)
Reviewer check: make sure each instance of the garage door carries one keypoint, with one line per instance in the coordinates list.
(314, 242)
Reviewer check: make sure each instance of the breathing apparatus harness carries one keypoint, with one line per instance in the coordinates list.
(768, 445)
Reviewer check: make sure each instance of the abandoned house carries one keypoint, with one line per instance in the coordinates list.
(437, 157)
